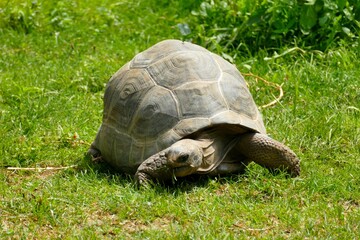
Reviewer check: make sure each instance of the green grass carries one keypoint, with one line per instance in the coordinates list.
(55, 59)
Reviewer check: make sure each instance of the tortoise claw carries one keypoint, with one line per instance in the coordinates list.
(143, 180)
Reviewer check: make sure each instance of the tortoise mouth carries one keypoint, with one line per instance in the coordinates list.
(183, 171)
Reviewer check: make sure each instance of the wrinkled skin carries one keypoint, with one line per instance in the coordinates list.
(187, 156)
(180, 159)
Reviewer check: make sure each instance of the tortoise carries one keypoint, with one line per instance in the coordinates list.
(176, 109)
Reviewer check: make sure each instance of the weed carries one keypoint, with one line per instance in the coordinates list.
(233, 26)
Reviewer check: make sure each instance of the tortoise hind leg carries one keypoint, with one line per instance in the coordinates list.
(268, 153)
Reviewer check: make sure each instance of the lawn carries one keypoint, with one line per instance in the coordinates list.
(57, 56)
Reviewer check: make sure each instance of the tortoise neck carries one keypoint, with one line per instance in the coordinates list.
(215, 146)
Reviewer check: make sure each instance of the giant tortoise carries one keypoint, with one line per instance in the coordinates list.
(177, 109)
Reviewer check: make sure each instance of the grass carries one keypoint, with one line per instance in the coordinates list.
(56, 58)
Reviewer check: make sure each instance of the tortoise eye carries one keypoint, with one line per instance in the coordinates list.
(183, 158)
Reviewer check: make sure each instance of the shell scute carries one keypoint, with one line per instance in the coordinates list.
(238, 95)
(200, 99)
(182, 67)
(161, 50)
(123, 95)
(155, 115)
(188, 126)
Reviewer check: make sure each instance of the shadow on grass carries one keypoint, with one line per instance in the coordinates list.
(103, 170)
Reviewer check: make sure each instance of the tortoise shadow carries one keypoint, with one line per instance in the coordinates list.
(103, 170)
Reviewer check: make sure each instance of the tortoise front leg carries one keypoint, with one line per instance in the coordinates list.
(268, 153)
(154, 168)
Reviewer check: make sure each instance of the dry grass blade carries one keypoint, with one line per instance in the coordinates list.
(277, 86)
(39, 169)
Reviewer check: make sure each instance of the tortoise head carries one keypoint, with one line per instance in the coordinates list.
(185, 157)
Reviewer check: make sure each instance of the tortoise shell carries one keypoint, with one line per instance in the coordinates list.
(169, 92)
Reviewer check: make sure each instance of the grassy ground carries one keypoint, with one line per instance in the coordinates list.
(56, 57)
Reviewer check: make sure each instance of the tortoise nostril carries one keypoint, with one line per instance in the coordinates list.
(182, 158)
